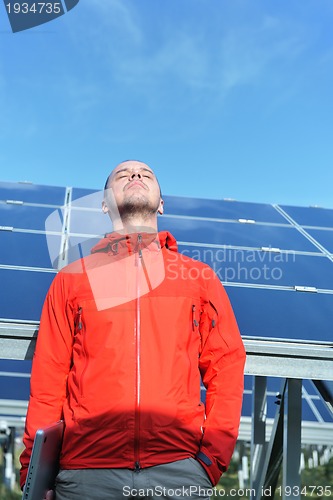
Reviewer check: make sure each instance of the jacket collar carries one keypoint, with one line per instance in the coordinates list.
(116, 243)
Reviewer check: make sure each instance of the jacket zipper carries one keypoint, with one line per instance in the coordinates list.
(194, 321)
(79, 318)
(84, 349)
(137, 333)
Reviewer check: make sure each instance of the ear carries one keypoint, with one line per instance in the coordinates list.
(160, 209)
(105, 208)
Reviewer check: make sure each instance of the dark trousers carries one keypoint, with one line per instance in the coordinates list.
(180, 480)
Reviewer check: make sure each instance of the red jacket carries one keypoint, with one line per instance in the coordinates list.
(125, 335)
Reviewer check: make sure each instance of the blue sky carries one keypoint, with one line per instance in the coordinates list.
(223, 98)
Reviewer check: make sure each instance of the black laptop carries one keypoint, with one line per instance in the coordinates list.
(44, 461)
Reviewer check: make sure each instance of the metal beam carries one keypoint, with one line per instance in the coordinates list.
(265, 357)
(287, 359)
(291, 477)
(258, 431)
(18, 340)
(265, 473)
(316, 433)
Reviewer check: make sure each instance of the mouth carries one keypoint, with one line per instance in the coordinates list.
(135, 183)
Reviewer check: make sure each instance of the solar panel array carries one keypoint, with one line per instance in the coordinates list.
(276, 262)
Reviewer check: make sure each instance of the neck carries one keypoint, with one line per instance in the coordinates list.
(135, 224)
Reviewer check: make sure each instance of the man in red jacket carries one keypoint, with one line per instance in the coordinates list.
(126, 335)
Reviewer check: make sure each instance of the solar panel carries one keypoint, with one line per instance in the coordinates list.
(311, 216)
(283, 314)
(314, 408)
(259, 267)
(17, 375)
(323, 237)
(24, 250)
(24, 216)
(32, 193)
(275, 262)
(236, 234)
(221, 209)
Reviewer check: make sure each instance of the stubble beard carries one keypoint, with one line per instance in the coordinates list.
(137, 207)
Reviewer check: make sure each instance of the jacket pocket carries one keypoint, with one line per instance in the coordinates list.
(80, 351)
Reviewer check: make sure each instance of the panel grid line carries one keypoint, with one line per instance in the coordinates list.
(304, 233)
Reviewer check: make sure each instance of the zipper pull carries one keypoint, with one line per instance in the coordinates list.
(79, 325)
(137, 467)
(139, 245)
(194, 321)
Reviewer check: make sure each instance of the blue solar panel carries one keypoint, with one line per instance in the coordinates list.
(247, 403)
(13, 366)
(283, 314)
(24, 249)
(317, 409)
(310, 216)
(23, 293)
(90, 222)
(264, 268)
(221, 209)
(313, 407)
(31, 193)
(24, 216)
(16, 388)
(236, 234)
(15, 374)
(80, 247)
(324, 237)
(79, 193)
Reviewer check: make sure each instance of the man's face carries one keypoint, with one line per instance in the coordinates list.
(135, 189)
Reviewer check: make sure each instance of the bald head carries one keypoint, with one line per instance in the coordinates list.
(132, 191)
(126, 165)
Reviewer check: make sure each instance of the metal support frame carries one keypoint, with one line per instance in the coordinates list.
(289, 359)
(258, 434)
(291, 480)
(265, 456)
(7, 442)
(265, 357)
(284, 446)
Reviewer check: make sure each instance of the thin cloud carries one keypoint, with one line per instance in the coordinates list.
(247, 54)
(180, 57)
(117, 16)
(240, 55)
(214, 58)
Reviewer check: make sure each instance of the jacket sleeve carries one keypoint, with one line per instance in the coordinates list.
(221, 365)
(50, 368)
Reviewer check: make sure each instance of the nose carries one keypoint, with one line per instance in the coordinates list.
(135, 175)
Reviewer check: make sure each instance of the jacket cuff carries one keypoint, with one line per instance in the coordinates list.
(210, 465)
